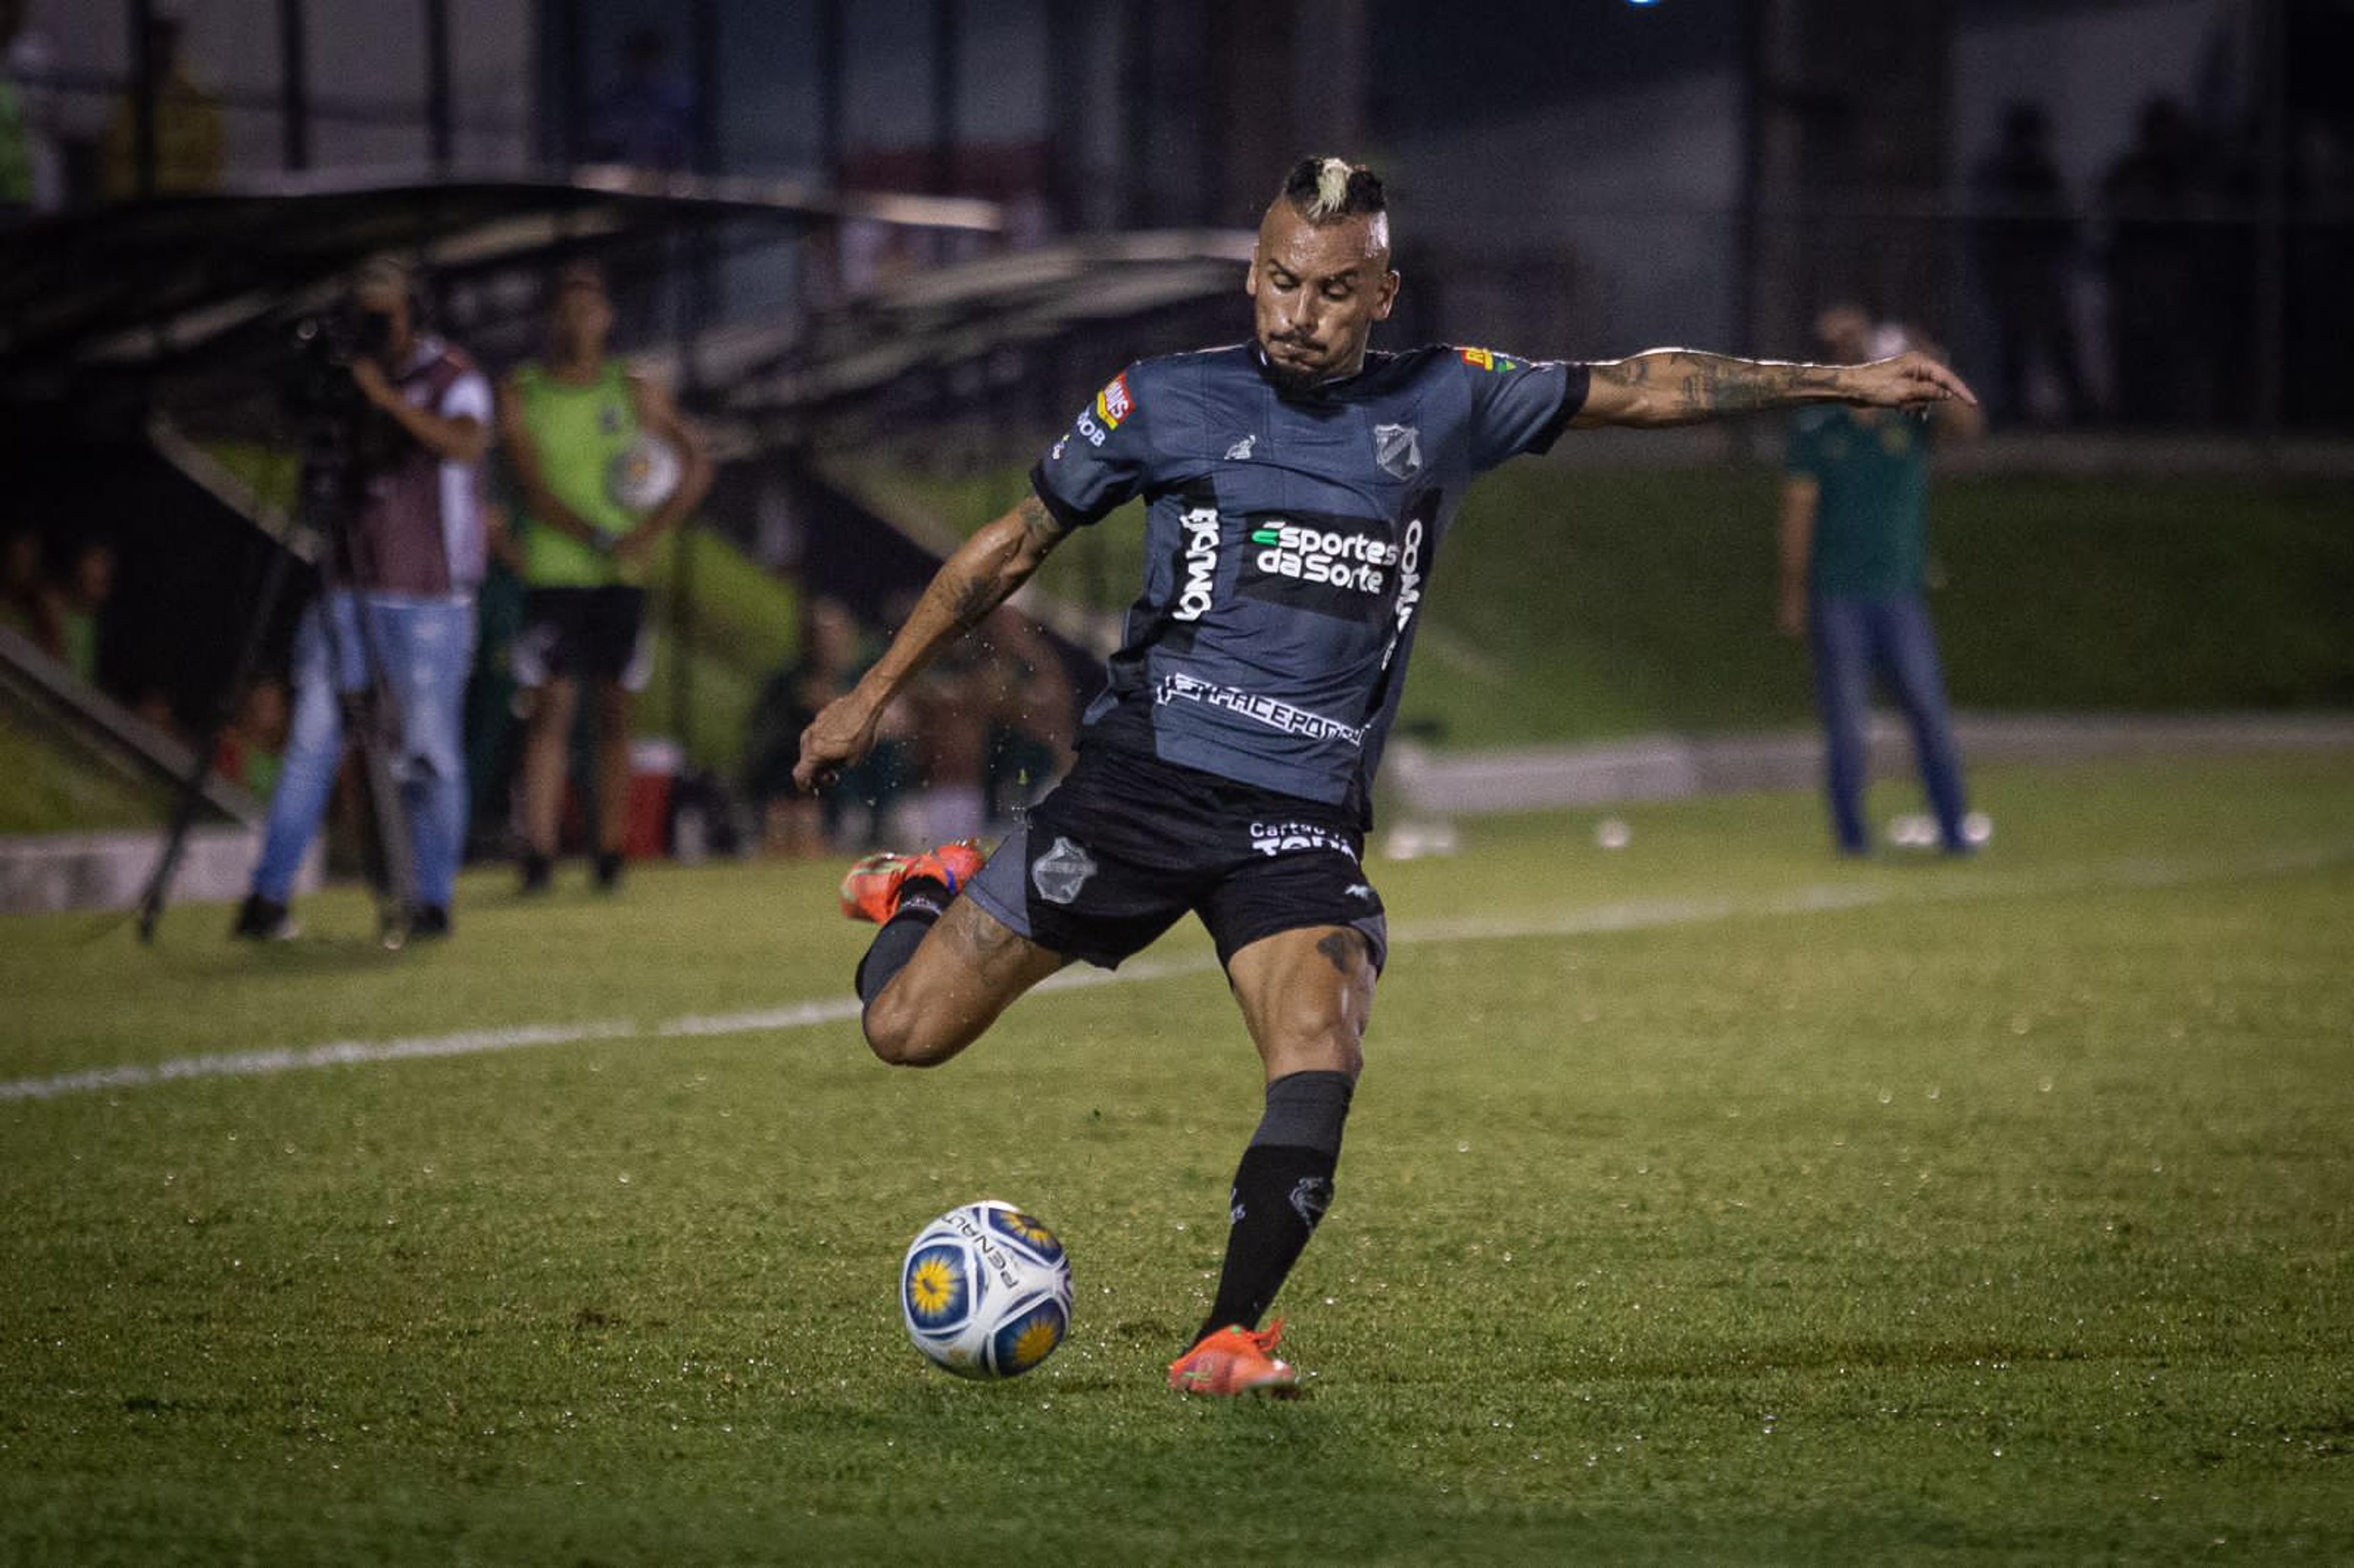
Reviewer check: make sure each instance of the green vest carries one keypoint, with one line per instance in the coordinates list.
(15, 148)
(1872, 524)
(577, 432)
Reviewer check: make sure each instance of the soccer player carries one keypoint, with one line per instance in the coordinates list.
(1298, 489)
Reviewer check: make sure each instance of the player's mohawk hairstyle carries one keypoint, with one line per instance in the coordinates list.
(1324, 189)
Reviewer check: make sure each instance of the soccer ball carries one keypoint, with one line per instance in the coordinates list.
(986, 1290)
(642, 476)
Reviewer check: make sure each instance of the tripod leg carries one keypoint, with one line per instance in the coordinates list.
(158, 891)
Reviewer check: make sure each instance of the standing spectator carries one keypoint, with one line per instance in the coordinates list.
(78, 601)
(2026, 245)
(1033, 713)
(2155, 268)
(188, 137)
(250, 748)
(570, 426)
(31, 172)
(25, 607)
(398, 618)
(1855, 553)
(646, 118)
(833, 657)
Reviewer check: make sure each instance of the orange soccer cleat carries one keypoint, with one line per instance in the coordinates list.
(1235, 1359)
(870, 889)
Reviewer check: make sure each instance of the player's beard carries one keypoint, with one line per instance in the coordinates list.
(1290, 380)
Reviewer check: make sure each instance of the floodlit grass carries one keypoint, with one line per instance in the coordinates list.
(1720, 1203)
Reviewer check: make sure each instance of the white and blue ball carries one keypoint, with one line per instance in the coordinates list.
(986, 1290)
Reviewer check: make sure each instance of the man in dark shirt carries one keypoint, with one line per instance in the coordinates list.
(1298, 488)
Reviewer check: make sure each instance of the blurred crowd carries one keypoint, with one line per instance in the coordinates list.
(983, 733)
(2135, 302)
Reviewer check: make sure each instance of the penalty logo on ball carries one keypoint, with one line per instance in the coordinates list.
(985, 1290)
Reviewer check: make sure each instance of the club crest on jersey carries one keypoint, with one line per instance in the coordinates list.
(1488, 359)
(1398, 448)
(1061, 871)
(1113, 403)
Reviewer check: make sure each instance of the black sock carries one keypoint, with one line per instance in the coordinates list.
(1281, 1189)
(921, 899)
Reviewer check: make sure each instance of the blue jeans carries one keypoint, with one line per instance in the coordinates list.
(1853, 638)
(428, 647)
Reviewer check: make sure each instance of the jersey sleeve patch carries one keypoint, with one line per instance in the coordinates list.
(1115, 402)
(1489, 359)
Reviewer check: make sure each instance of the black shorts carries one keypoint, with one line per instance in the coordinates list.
(584, 634)
(1128, 844)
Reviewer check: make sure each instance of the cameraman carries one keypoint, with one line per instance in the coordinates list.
(397, 620)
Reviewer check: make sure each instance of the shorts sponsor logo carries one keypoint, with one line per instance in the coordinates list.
(1271, 839)
(1113, 403)
(1272, 711)
(1061, 871)
(1241, 450)
(1398, 448)
(1198, 563)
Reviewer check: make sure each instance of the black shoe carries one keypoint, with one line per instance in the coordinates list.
(429, 923)
(261, 920)
(608, 870)
(538, 872)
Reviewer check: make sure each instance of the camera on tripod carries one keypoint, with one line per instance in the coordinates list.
(323, 345)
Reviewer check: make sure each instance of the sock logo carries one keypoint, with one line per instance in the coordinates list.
(1310, 1196)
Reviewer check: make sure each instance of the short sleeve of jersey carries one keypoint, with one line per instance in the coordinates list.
(468, 397)
(1104, 460)
(1519, 405)
(1804, 456)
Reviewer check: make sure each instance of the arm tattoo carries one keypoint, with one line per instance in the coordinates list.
(1712, 384)
(1043, 529)
(1674, 387)
(973, 602)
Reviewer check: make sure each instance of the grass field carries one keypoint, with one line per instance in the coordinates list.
(1708, 1200)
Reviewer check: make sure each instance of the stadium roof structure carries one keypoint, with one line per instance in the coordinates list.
(102, 305)
(971, 325)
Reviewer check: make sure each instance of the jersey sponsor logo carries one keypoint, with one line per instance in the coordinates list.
(1273, 839)
(1113, 403)
(1398, 448)
(1273, 712)
(1488, 359)
(1341, 566)
(1087, 428)
(1061, 871)
(1199, 563)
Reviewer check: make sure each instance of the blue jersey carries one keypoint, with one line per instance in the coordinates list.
(1288, 544)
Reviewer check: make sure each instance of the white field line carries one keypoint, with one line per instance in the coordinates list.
(1591, 920)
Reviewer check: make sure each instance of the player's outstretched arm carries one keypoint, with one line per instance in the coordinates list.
(1678, 386)
(969, 584)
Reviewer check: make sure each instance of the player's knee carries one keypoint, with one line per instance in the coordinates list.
(900, 1031)
(1320, 1038)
